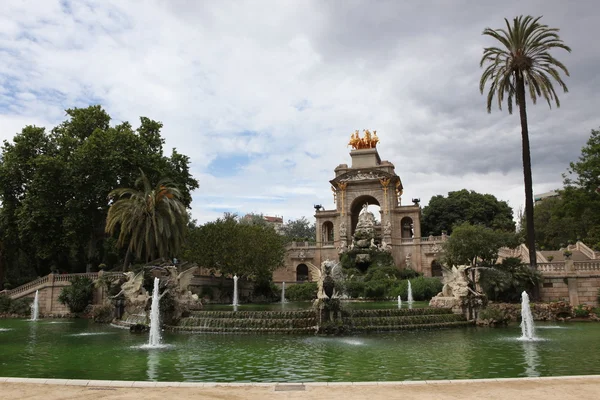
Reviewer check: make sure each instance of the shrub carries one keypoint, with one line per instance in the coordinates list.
(581, 312)
(355, 289)
(382, 273)
(77, 295)
(376, 289)
(21, 306)
(4, 303)
(302, 291)
(506, 281)
(408, 273)
(423, 288)
(103, 314)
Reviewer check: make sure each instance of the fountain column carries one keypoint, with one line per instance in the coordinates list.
(154, 339)
(35, 307)
(527, 327)
(235, 291)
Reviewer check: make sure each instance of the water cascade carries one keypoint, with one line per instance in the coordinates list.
(283, 299)
(154, 340)
(399, 301)
(35, 307)
(235, 291)
(527, 327)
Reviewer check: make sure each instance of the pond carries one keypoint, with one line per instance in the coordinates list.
(80, 349)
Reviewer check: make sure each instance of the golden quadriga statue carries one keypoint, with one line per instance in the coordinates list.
(369, 141)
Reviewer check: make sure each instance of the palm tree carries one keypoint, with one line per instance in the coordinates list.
(523, 60)
(152, 220)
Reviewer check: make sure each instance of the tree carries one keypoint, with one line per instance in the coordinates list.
(443, 213)
(54, 189)
(575, 213)
(151, 220)
(300, 230)
(231, 247)
(523, 59)
(476, 245)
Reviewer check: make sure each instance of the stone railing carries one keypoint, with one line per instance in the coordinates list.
(561, 267)
(302, 244)
(551, 267)
(50, 279)
(328, 243)
(27, 287)
(587, 265)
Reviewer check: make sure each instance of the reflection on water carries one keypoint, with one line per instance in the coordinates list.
(153, 360)
(532, 360)
(52, 351)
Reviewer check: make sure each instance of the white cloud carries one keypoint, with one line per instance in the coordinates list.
(301, 76)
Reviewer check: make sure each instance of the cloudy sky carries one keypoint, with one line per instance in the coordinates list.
(263, 95)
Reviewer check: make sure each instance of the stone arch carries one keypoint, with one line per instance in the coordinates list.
(327, 232)
(407, 228)
(436, 268)
(302, 273)
(357, 205)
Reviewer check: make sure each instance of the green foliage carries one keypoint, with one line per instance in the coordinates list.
(78, 295)
(355, 288)
(470, 244)
(581, 312)
(575, 214)
(151, 220)
(300, 230)
(408, 273)
(377, 289)
(423, 288)
(494, 316)
(378, 259)
(103, 313)
(506, 281)
(54, 188)
(302, 291)
(265, 287)
(20, 306)
(225, 245)
(444, 213)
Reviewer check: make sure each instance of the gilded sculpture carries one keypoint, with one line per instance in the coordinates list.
(369, 141)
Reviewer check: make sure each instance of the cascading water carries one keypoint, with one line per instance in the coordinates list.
(527, 327)
(35, 307)
(283, 299)
(154, 339)
(235, 291)
(399, 302)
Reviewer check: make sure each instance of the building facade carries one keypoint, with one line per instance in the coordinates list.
(367, 181)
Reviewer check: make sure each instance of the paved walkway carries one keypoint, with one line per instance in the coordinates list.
(555, 388)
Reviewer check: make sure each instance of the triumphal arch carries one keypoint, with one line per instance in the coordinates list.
(367, 181)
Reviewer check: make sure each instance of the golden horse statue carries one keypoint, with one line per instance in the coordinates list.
(369, 141)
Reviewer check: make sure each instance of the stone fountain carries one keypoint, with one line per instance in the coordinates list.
(459, 293)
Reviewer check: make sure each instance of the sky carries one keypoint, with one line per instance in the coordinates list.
(263, 95)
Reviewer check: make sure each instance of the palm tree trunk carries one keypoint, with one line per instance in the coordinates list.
(127, 258)
(527, 173)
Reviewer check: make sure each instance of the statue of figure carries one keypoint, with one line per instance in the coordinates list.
(373, 245)
(342, 230)
(367, 139)
(387, 228)
(365, 208)
(412, 230)
(407, 260)
(456, 283)
(375, 139)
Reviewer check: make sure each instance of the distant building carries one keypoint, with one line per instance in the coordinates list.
(276, 222)
(537, 198)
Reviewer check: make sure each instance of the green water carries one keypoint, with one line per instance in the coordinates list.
(79, 349)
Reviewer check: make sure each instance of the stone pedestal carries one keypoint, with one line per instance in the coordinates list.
(365, 158)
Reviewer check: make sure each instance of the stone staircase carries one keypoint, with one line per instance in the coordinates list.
(296, 322)
(404, 319)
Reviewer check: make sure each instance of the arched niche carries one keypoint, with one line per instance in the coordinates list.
(407, 228)
(357, 206)
(327, 232)
(302, 273)
(436, 268)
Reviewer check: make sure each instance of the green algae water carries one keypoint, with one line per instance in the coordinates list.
(80, 349)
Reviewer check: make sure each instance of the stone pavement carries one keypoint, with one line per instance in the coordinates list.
(551, 388)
